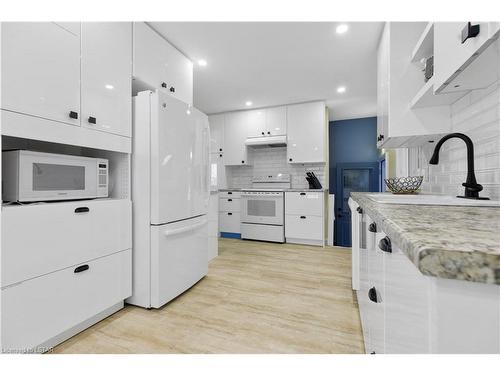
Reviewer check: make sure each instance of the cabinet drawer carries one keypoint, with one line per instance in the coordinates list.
(229, 222)
(304, 203)
(305, 227)
(230, 194)
(229, 204)
(44, 238)
(36, 310)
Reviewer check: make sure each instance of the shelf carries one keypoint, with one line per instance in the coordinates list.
(425, 45)
(425, 97)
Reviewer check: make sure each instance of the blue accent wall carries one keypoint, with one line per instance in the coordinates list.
(352, 141)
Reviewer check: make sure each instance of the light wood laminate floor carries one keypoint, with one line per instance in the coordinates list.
(257, 298)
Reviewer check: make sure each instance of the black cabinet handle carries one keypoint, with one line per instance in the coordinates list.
(92, 120)
(372, 295)
(229, 213)
(79, 269)
(373, 227)
(360, 210)
(229, 200)
(262, 133)
(269, 133)
(81, 209)
(302, 193)
(373, 352)
(290, 159)
(243, 162)
(164, 85)
(230, 192)
(469, 31)
(172, 89)
(302, 217)
(385, 245)
(220, 155)
(73, 114)
(220, 149)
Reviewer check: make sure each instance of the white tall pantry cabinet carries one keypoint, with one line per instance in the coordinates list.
(66, 88)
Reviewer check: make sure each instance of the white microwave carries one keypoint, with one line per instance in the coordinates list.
(29, 176)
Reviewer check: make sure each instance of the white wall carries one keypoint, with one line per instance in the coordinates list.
(272, 160)
(478, 116)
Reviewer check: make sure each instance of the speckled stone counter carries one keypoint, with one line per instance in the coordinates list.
(452, 242)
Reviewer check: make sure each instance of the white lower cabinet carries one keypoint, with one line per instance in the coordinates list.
(213, 225)
(405, 312)
(43, 238)
(229, 212)
(304, 217)
(37, 312)
(229, 222)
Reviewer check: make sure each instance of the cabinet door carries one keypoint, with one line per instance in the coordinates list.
(106, 76)
(377, 307)
(256, 122)
(383, 86)
(276, 121)
(157, 64)
(451, 55)
(40, 70)
(306, 133)
(217, 172)
(216, 133)
(235, 134)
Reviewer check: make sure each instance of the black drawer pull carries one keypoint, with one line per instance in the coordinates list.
(269, 133)
(229, 200)
(302, 193)
(92, 120)
(373, 227)
(230, 192)
(385, 245)
(243, 162)
(262, 133)
(290, 159)
(469, 31)
(164, 85)
(172, 89)
(73, 114)
(360, 210)
(79, 269)
(81, 209)
(229, 213)
(372, 295)
(220, 155)
(302, 217)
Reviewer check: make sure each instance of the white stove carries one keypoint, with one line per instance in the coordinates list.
(263, 209)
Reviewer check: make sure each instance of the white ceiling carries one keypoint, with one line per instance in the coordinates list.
(279, 63)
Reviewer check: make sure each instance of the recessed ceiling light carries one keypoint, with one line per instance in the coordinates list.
(341, 89)
(109, 87)
(248, 103)
(202, 62)
(341, 29)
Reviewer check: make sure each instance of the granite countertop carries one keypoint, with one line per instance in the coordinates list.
(452, 242)
(284, 190)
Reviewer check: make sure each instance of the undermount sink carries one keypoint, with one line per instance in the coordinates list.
(428, 199)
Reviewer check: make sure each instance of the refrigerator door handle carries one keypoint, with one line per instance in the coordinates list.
(187, 228)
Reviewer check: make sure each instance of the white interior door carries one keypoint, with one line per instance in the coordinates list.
(179, 160)
(41, 70)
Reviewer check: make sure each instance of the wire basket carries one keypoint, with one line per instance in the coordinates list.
(404, 185)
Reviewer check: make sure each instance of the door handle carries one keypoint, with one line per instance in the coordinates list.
(92, 120)
(73, 114)
(470, 31)
(81, 209)
(79, 269)
(372, 295)
(187, 228)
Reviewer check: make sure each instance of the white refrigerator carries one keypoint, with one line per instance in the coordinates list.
(170, 194)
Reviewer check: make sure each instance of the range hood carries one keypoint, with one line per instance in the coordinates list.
(271, 141)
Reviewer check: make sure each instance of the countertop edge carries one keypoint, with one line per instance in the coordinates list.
(429, 260)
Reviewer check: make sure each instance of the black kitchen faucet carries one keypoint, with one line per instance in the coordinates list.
(472, 188)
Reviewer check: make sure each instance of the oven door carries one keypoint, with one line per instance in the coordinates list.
(262, 208)
(44, 177)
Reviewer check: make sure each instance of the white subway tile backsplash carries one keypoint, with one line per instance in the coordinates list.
(477, 114)
(272, 160)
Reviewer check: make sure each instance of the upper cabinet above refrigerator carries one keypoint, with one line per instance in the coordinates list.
(159, 65)
(106, 76)
(40, 70)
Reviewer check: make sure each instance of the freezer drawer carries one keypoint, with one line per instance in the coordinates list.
(179, 258)
(39, 309)
(42, 238)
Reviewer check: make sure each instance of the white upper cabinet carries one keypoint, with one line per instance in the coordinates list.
(236, 130)
(157, 64)
(106, 76)
(40, 70)
(276, 121)
(216, 133)
(306, 133)
(256, 122)
(465, 65)
(382, 86)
